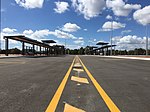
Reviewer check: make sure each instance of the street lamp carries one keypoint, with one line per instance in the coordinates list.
(147, 39)
(0, 45)
(65, 46)
(111, 36)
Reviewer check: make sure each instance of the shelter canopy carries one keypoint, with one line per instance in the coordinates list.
(22, 38)
(102, 43)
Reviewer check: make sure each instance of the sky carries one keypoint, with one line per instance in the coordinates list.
(78, 22)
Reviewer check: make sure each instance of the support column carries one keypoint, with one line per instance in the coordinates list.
(107, 51)
(6, 46)
(23, 48)
(47, 51)
(33, 50)
(27, 50)
(40, 50)
(102, 51)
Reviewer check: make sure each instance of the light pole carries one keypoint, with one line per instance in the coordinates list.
(65, 46)
(147, 39)
(0, 45)
(114, 48)
(111, 36)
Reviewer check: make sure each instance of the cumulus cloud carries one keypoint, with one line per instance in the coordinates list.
(41, 34)
(79, 41)
(61, 34)
(73, 46)
(69, 27)
(129, 42)
(142, 16)
(120, 8)
(8, 30)
(30, 4)
(61, 7)
(27, 32)
(109, 17)
(89, 8)
(107, 26)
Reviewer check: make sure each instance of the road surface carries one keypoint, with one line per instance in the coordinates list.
(31, 84)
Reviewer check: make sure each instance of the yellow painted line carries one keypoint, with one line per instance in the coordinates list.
(112, 107)
(79, 79)
(70, 108)
(54, 102)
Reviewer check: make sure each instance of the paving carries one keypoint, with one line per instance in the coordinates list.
(126, 81)
(29, 84)
(129, 57)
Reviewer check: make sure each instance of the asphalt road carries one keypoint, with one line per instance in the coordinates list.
(29, 84)
(126, 81)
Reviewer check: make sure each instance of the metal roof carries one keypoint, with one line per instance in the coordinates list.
(103, 47)
(102, 43)
(22, 38)
(48, 41)
(92, 47)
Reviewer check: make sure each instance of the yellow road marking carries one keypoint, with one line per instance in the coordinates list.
(112, 107)
(69, 108)
(79, 79)
(53, 104)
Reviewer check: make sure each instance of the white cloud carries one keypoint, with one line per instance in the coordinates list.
(61, 7)
(27, 32)
(69, 27)
(9, 30)
(129, 42)
(85, 29)
(79, 41)
(107, 26)
(81, 38)
(109, 17)
(119, 7)
(42, 34)
(89, 8)
(30, 4)
(116, 25)
(142, 16)
(126, 31)
(73, 46)
(103, 30)
(61, 34)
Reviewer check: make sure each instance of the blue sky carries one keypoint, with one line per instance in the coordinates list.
(80, 22)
